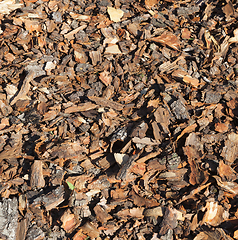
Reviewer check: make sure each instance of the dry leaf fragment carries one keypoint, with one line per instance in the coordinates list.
(228, 9)
(9, 57)
(145, 140)
(11, 90)
(236, 234)
(105, 77)
(115, 14)
(169, 39)
(101, 214)
(188, 129)
(107, 103)
(71, 34)
(120, 157)
(218, 234)
(193, 192)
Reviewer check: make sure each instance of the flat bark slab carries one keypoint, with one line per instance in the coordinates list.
(9, 218)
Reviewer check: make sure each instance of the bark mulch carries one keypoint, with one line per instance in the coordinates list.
(118, 119)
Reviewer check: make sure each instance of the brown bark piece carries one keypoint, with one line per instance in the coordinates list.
(82, 107)
(69, 221)
(37, 178)
(131, 213)
(105, 77)
(25, 88)
(140, 201)
(54, 198)
(22, 229)
(107, 103)
(156, 131)
(169, 39)
(90, 229)
(214, 214)
(226, 172)
(101, 214)
(169, 221)
(196, 176)
(229, 152)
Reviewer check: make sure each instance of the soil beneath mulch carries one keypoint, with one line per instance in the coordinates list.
(118, 119)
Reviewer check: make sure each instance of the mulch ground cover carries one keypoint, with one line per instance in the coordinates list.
(118, 119)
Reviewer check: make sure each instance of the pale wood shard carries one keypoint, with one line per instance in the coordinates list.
(115, 14)
(8, 6)
(71, 34)
(112, 49)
